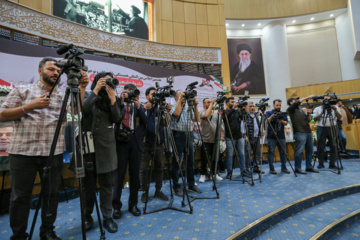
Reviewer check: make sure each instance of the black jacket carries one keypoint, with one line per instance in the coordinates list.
(235, 118)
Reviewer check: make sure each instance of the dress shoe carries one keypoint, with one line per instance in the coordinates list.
(256, 170)
(285, 170)
(320, 166)
(89, 221)
(134, 211)
(333, 166)
(116, 214)
(49, 235)
(160, 195)
(143, 197)
(228, 175)
(312, 170)
(300, 171)
(272, 171)
(110, 225)
(194, 189)
(246, 173)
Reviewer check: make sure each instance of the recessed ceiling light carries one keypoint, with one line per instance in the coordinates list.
(331, 15)
(243, 25)
(259, 24)
(312, 19)
(227, 24)
(294, 21)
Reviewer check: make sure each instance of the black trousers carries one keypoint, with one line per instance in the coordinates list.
(209, 151)
(127, 153)
(324, 133)
(105, 181)
(23, 170)
(158, 163)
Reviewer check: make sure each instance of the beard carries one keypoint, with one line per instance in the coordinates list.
(47, 79)
(244, 64)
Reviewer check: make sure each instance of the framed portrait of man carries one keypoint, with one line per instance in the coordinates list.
(246, 66)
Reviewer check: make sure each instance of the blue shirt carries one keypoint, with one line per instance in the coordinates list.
(277, 126)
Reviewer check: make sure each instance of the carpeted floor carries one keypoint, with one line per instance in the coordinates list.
(239, 205)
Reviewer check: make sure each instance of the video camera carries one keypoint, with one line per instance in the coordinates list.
(327, 102)
(163, 92)
(221, 98)
(242, 101)
(112, 82)
(262, 104)
(190, 91)
(277, 116)
(72, 64)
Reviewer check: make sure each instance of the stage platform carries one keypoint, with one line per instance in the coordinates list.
(237, 213)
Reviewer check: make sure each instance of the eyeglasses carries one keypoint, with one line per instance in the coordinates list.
(8, 134)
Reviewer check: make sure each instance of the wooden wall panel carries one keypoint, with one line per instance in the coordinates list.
(212, 1)
(214, 36)
(222, 19)
(190, 13)
(212, 15)
(167, 32)
(257, 9)
(202, 35)
(179, 33)
(178, 12)
(166, 10)
(201, 14)
(190, 35)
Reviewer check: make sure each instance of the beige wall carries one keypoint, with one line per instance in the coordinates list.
(44, 6)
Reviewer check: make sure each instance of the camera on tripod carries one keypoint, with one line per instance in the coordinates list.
(112, 82)
(190, 92)
(163, 92)
(72, 64)
(221, 98)
(262, 104)
(242, 101)
(328, 102)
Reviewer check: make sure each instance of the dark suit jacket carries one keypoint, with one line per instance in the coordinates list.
(140, 122)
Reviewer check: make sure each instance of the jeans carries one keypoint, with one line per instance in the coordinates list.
(303, 140)
(240, 147)
(343, 139)
(180, 142)
(281, 144)
(23, 171)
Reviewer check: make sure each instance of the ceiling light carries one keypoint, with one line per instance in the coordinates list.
(331, 15)
(259, 24)
(294, 21)
(227, 24)
(243, 25)
(312, 19)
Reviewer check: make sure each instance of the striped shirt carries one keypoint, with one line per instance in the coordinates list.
(185, 123)
(34, 132)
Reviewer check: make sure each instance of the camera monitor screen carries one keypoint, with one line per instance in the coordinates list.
(128, 18)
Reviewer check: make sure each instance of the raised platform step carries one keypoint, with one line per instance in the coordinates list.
(307, 223)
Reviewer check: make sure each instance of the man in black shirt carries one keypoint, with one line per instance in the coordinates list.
(236, 129)
(302, 133)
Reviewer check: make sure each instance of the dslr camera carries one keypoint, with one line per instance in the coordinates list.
(134, 93)
(278, 116)
(112, 82)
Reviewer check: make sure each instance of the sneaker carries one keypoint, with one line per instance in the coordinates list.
(195, 183)
(49, 235)
(218, 178)
(272, 171)
(194, 189)
(160, 195)
(178, 192)
(143, 197)
(320, 166)
(202, 179)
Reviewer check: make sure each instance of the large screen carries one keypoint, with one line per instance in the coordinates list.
(129, 18)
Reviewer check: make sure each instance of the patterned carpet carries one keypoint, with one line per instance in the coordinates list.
(239, 205)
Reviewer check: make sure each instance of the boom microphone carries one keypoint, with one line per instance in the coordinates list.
(192, 84)
(64, 49)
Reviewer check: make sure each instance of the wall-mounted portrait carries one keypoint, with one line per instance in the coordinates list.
(246, 66)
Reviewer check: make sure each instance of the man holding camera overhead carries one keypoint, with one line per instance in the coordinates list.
(129, 145)
(181, 124)
(302, 133)
(276, 121)
(326, 116)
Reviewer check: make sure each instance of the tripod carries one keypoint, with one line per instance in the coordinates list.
(335, 139)
(169, 142)
(277, 139)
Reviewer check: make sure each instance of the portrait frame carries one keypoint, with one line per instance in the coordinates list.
(254, 75)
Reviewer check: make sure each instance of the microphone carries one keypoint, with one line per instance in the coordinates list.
(64, 49)
(193, 84)
(157, 84)
(265, 99)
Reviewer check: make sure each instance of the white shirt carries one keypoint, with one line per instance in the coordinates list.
(319, 111)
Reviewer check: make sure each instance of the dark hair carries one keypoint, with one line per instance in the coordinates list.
(147, 92)
(277, 100)
(129, 86)
(44, 60)
(228, 99)
(205, 99)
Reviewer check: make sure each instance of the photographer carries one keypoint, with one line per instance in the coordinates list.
(208, 122)
(180, 124)
(234, 117)
(276, 121)
(346, 119)
(100, 112)
(36, 117)
(152, 114)
(302, 133)
(325, 115)
(129, 135)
